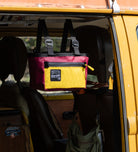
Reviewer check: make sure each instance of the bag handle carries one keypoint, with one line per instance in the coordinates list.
(68, 28)
(42, 29)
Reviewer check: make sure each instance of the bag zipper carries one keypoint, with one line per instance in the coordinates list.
(67, 64)
(90, 67)
(64, 64)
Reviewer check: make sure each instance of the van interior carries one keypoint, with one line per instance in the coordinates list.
(50, 113)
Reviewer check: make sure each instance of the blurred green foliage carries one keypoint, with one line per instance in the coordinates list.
(30, 43)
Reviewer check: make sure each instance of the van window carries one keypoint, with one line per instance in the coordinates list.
(137, 31)
(30, 43)
(99, 99)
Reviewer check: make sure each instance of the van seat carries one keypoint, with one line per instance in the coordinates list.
(10, 96)
(42, 123)
(13, 61)
(96, 42)
(93, 40)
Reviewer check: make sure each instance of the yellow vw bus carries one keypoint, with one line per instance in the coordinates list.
(107, 30)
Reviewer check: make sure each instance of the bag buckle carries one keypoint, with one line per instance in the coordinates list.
(49, 43)
(75, 43)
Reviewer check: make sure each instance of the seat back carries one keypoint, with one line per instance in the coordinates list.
(13, 107)
(13, 61)
(96, 42)
(13, 58)
(42, 123)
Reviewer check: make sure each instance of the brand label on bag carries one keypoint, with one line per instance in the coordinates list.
(55, 75)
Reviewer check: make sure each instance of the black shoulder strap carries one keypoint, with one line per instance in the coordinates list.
(42, 30)
(39, 35)
(64, 37)
(68, 28)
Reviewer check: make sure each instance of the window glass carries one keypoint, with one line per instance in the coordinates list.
(30, 43)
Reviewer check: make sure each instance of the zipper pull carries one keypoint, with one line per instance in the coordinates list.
(91, 68)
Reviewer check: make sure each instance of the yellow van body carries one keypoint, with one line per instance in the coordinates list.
(123, 18)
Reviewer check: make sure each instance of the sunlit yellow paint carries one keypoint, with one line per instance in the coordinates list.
(126, 69)
(44, 9)
(66, 10)
(134, 12)
(131, 121)
(131, 23)
(128, 79)
(137, 141)
(132, 146)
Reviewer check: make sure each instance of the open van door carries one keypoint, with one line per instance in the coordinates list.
(131, 27)
(126, 45)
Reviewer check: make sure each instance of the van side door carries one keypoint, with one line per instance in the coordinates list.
(131, 27)
(128, 106)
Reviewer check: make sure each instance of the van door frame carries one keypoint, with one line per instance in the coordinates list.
(120, 84)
